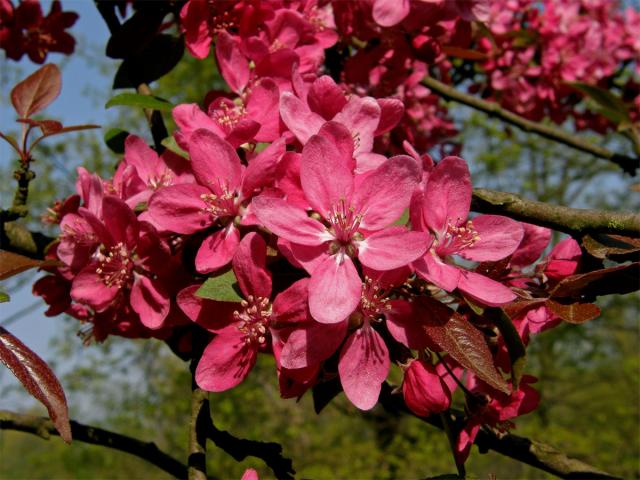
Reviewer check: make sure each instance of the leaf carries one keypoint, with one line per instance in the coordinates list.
(170, 144)
(142, 101)
(37, 378)
(608, 104)
(11, 141)
(455, 335)
(157, 59)
(515, 346)
(324, 392)
(11, 264)
(4, 297)
(620, 279)
(464, 53)
(615, 247)
(47, 126)
(404, 218)
(522, 38)
(72, 128)
(223, 288)
(36, 91)
(114, 138)
(576, 312)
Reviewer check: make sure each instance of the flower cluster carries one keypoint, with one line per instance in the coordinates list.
(283, 225)
(24, 29)
(538, 48)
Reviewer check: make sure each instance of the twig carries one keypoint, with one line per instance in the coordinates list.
(531, 452)
(18, 239)
(628, 164)
(240, 448)
(43, 427)
(198, 428)
(574, 221)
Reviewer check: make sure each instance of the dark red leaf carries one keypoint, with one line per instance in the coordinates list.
(11, 141)
(11, 264)
(519, 306)
(48, 127)
(135, 33)
(455, 335)
(620, 279)
(615, 247)
(37, 378)
(36, 91)
(576, 312)
(73, 128)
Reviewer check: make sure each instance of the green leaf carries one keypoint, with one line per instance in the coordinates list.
(142, 101)
(404, 218)
(114, 138)
(607, 103)
(223, 288)
(170, 144)
(4, 297)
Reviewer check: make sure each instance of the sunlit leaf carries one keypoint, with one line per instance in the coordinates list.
(36, 91)
(223, 288)
(138, 100)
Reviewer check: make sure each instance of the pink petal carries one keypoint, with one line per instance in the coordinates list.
(341, 138)
(533, 243)
(218, 249)
(303, 256)
(89, 289)
(483, 289)
(249, 265)
(233, 65)
(289, 222)
(334, 290)
(225, 362)
(250, 474)
(214, 161)
(311, 344)
(391, 112)
(292, 305)
(261, 170)
(325, 176)
(301, 121)
(385, 193)
(142, 157)
(361, 116)
(244, 131)
(189, 118)
(150, 301)
(194, 20)
(391, 248)
(179, 209)
(121, 221)
(208, 314)
(448, 194)
(404, 321)
(368, 161)
(325, 97)
(499, 237)
(388, 13)
(433, 269)
(363, 366)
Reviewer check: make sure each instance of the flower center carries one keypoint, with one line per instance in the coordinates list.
(253, 320)
(221, 202)
(456, 239)
(344, 223)
(373, 300)
(115, 266)
(163, 180)
(228, 115)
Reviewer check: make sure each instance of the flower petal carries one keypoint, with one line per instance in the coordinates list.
(499, 237)
(249, 265)
(433, 269)
(483, 289)
(150, 301)
(214, 161)
(218, 249)
(233, 65)
(334, 290)
(289, 222)
(361, 116)
(179, 209)
(391, 248)
(301, 121)
(225, 362)
(448, 194)
(363, 366)
(311, 344)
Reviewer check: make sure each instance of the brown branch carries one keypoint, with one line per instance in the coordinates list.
(537, 454)
(550, 132)
(574, 221)
(43, 427)
(198, 427)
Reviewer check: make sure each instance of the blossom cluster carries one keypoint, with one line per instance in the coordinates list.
(538, 48)
(338, 258)
(24, 29)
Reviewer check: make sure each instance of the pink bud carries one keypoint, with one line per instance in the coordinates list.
(424, 391)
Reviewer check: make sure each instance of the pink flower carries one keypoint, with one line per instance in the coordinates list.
(121, 266)
(424, 391)
(355, 213)
(220, 198)
(242, 329)
(442, 210)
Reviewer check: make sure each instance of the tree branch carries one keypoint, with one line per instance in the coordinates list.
(531, 452)
(43, 427)
(18, 239)
(551, 132)
(198, 428)
(574, 221)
